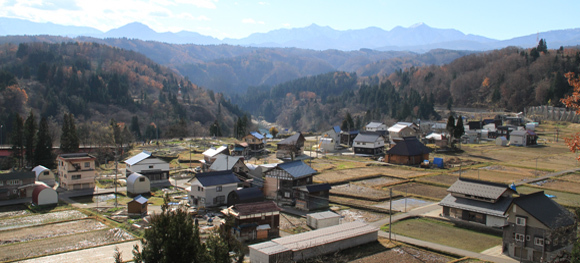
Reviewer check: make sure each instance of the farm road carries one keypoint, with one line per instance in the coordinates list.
(97, 254)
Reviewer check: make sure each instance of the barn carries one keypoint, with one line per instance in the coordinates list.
(138, 184)
(409, 151)
(44, 195)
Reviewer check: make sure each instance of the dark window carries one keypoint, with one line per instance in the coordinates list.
(75, 177)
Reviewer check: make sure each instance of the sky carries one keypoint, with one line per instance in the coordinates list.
(499, 20)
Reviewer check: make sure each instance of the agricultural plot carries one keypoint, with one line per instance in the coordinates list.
(440, 179)
(573, 177)
(423, 190)
(560, 162)
(378, 182)
(25, 234)
(559, 185)
(347, 175)
(40, 219)
(566, 199)
(404, 204)
(492, 175)
(358, 191)
(348, 201)
(12, 211)
(404, 254)
(446, 234)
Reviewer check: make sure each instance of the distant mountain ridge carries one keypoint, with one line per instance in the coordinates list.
(417, 38)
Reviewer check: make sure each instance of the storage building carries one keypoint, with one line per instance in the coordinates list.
(44, 195)
(322, 219)
(138, 184)
(137, 206)
(44, 175)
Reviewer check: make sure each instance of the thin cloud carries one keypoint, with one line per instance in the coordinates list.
(252, 21)
(263, 3)
(52, 5)
(209, 4)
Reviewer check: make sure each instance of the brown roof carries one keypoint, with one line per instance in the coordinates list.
(256, 208)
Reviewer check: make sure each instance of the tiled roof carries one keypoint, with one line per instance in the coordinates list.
(374, 124)
(256, 208)
(496, 209)
(137, 158)
(478, 188)
(297, 169)
(545, 210)
(75, 155)
(17, 175)
(217, 178)
(410, 146)
(292, 140)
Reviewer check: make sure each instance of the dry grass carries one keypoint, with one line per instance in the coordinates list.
(566, 199)
(492, 175)
(574, 177)
(359, 191)
(560, 185)
(422, 190)
(347, 175)
(440, 179)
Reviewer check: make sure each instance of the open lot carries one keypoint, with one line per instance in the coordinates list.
(38, 219)
(378, 182)
(25, 234)
(446, 234)
(404, 254)
(404, 204)
(358, 191)
(422, 190)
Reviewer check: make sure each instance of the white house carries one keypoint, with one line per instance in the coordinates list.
(401, 130)
(44, 175)
(374, 126)
(212, 189)
(333, 135)
(146, 164)
(369, 144)
(138, 184)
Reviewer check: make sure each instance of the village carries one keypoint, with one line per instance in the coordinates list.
(505, 190)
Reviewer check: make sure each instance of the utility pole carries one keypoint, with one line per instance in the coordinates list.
(390, 212)
(190, 155)
(116, 172)
(1, 126)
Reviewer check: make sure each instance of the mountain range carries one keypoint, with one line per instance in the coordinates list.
(417, 38)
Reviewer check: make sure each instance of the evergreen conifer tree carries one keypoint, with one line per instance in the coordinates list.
(43, 149)
(29, 138)
(18, 141)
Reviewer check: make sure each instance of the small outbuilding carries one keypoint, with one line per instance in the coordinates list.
(138, 184)
(322, 219)
(137, 206)
(501, 141)
(523, 138)
(245, 195)
(44, 175)
(44, 195)
(409, 151)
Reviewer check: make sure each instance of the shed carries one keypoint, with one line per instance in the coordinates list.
(501, 141)
(409, 151)
(245, 195)
(44, 195)
(523, 138)
(137, 206)
(44, 175)
(138, 184)
(322, 219)
(438, 162)
(327, 145)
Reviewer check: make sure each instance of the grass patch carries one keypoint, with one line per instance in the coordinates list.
(445, 233)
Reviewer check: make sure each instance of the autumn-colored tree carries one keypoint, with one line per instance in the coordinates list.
(573, 102)
(273, 131)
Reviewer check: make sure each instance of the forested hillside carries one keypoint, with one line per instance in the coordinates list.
(96, 83)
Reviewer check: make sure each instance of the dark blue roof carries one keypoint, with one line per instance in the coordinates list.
(410, 146)
(249, 193)
(217, 178)
(297, 169)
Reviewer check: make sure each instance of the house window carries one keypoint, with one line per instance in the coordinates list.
(14, 182)
(150, 166)
(220, 199)
(528, 238)
(46, 173)
(263, 217)
(287, 194)
(519, 237)
(75, 177)
(87, 164)
(520, 221)
(539, 241)
(218, 188)
(142, 179)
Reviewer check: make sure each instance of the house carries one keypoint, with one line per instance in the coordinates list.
(471, 137)
(280, 181)
(76, 171)
(409, 151)
(291, 147)
(245, 195)
(156, 169)
(210, 155)
(347, 137)
(256, 143)
(439, 127)
(322, 219)
(439, 139)
(42, 194)
(538, 229)
(401, 130)
(312, 197)
(523, 138)
(240, 149)
(16, 185)
(255, 221)
(138, 184)
(377, 127)
(478, 201)
(299, 247)
(504, 131)
(368, 144)
(229, 163)
(212, 188)
(137, 206)
(44, 175)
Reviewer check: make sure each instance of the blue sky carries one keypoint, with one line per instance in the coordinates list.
(236, 19)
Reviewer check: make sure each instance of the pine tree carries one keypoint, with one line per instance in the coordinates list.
(450, 125)
(43, 149)
(135, 128)
(29, 138)
(69, 140)
(18, 141)
(459, 129)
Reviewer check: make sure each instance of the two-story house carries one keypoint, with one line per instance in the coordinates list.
(312, 197)
(377, 127)
(291, 147)
(210, 155)
(401, 130)
(330, 140)
(253, 221)
(256, 143)
(76, 171)
(16, 185)
(368, 144)
(144, 163)
(477, 201)
(538, 229)
(280, 181)
(212, 188)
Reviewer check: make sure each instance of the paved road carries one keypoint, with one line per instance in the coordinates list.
(97, 255)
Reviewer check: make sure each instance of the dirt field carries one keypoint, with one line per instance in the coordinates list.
(559, 185)
(12, 211)
(566, 199)
(492, 176)
(292, 224)
(440, 179)
(25, 234)
(378, 182)
(356, 190)
(404, 254)
(418, 189)
(40, 219)
(574, 177)
(62, 243)
(347, 175)
(351, 215)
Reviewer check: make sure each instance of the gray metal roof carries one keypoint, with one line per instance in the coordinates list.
(297, 169)
(224, 162)
(292, 139)
(211, 152)
(374, 124)
(137, 158)
(17, 175)
(134, 176)
(545, 210)
(324, 215)
(367, 137)
(496, 209)
(140, 199)
(478, 188)
(217, 178)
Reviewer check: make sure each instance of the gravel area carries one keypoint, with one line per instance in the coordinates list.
(25, 234)
(40, 219)
(14, 213)
(293, 224)
(350, 215)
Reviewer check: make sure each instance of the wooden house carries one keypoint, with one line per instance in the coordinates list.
(409, 151)
(240, 149)
(291, 147)
(256, 143)
(538, 229)
(280, 181)
(401, 130)
(347, 137)
(369, 144)
(255, 221)
(144, 163)
(377, 127)
(137, 206)
(312, 197)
